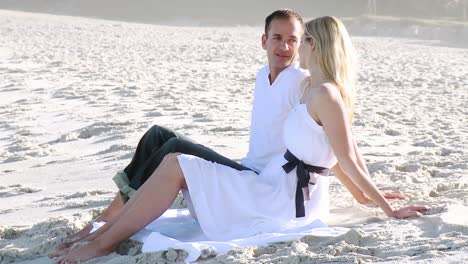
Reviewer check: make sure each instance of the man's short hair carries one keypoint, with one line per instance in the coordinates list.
(281, 14)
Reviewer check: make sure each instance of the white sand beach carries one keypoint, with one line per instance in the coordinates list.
(76, 94)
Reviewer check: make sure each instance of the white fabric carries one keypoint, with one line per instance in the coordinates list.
(300, 124)
(176, 229)
(232, 204)
(271, 105)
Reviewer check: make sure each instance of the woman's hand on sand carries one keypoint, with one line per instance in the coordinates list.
(405, 212)
(409, 211)
(390, 196)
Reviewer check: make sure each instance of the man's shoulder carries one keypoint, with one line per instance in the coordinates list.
(294, 77)
(293, 72)
(297, 72)
(264, 70)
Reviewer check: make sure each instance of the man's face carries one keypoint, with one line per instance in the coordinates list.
(282, 42)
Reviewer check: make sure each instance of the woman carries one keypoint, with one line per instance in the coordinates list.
(292, 190)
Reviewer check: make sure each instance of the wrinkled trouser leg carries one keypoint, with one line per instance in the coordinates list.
(152, 148)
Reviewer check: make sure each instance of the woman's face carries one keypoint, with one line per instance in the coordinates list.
(305, 52)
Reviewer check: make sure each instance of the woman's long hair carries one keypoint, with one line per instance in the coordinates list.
(335, 56)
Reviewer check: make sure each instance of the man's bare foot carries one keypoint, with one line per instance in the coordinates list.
(84, 253)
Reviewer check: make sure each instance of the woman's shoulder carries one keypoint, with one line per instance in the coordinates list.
(328, 91)
(323, 97)
(325, 93)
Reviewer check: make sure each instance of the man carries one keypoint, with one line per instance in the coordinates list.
(277, 91)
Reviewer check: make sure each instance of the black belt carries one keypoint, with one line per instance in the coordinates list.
(303, 178)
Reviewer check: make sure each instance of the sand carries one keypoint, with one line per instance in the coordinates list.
(76, 94)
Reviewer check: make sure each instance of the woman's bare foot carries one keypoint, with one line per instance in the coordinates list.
(85, 252)
(58, 252)
(80, 234)
(69, 241)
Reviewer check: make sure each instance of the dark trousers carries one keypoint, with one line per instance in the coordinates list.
(156, 143)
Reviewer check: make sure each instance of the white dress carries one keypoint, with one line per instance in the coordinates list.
(232, 204)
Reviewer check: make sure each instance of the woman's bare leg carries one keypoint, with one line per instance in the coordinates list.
(100, 231)
(112, 221)
(91, 236)
(109, 213)
(150, 202)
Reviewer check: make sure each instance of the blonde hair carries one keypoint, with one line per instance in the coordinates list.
(335, 56)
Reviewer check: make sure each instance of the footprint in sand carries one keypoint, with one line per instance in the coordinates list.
(443, 187)
(203, 120)
(96, 129)
(17, 189)
(448, 151)
(447, 222)
(153, 114)
(14, 158)
(429, 143)
(90, 199)
(115, 148)
(374, 167)
(410, 167)
(392, 132)
(224, 129)
(444, 164)
(11, 233)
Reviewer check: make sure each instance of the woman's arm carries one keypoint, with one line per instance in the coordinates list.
(329, 108)
(354, 190)
(346, 181)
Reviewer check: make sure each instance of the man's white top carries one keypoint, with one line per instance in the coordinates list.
(271, 105)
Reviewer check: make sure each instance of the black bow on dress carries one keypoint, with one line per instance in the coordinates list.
(303, 177)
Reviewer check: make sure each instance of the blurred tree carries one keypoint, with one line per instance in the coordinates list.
(459, 8)
(371, 7)
(465, 10)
